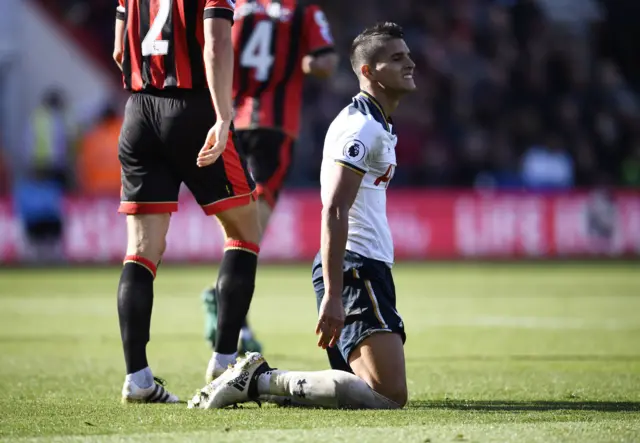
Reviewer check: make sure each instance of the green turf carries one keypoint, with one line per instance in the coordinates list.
(495, 353)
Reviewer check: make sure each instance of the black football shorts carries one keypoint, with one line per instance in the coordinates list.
(161, 136)
(269, 154)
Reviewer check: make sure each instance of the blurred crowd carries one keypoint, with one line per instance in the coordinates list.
(512, 94)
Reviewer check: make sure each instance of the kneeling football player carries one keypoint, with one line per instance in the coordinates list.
(358, 323)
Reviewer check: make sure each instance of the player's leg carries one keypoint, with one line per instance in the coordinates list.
(379, 361)
(372, 327)
(236, 277)
(252, 379)
(145, 246)
(149, 195)
(269, 159)
(224, 189)
(268, 154)
(375, 351)
(236, 282)
(247, 140)
(371, 343)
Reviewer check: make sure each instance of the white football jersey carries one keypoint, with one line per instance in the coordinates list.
(361, 138)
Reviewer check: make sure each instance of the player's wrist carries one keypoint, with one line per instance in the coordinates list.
(224, 119)
(332, 293)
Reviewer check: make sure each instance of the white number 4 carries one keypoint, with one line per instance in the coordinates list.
(257, 51)
(151, 45)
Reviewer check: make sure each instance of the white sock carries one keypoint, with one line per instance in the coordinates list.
(264, 383)
(142, 378)
(224, 360)
(245, 333)
(327, 389)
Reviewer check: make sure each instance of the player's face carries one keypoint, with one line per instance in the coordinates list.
(394, 69)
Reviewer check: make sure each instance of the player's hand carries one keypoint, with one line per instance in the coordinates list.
(215, 143)
(330, 321)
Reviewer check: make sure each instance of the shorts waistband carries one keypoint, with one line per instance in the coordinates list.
(174, 92)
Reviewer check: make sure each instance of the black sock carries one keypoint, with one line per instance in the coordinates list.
(236, 282)
(245, 322)
(135, 302)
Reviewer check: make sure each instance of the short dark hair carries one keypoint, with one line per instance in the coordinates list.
(366, 46)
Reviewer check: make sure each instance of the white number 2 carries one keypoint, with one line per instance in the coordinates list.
(257, 52)
(150, 44)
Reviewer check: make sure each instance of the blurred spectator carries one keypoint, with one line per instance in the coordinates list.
(47, 172)
(98, 167)
(548, 165)
(50, 140)
(38, 205)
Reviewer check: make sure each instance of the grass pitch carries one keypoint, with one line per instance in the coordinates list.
(495, 353)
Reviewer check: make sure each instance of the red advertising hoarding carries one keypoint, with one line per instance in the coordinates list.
(425, 225)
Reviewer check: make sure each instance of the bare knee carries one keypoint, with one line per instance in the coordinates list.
(397, 394)
(400, 397)
(379, 361)
(394, 390)
(151, 249)
(265, 208)
(241, 223)
(147, 235)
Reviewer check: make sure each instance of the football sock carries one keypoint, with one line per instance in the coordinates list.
(135, 302)
(235, 285)
(245, 333)
(142, 378)
(211, 319)
(327, 389)
(210, 315)
(224, 360)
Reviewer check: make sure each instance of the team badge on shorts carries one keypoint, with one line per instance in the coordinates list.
(355, 150)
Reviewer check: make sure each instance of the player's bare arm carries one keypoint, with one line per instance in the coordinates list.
(118, 43)
(321, 66)
(342, 192)
(218, 60)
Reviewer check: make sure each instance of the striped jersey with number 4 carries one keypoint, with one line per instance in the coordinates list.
(270, 38)
(164, 40)
(362, 139)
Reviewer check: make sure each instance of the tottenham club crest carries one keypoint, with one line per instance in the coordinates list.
(355, 150)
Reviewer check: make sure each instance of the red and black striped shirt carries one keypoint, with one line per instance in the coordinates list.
(270, 38)
(164, 40)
